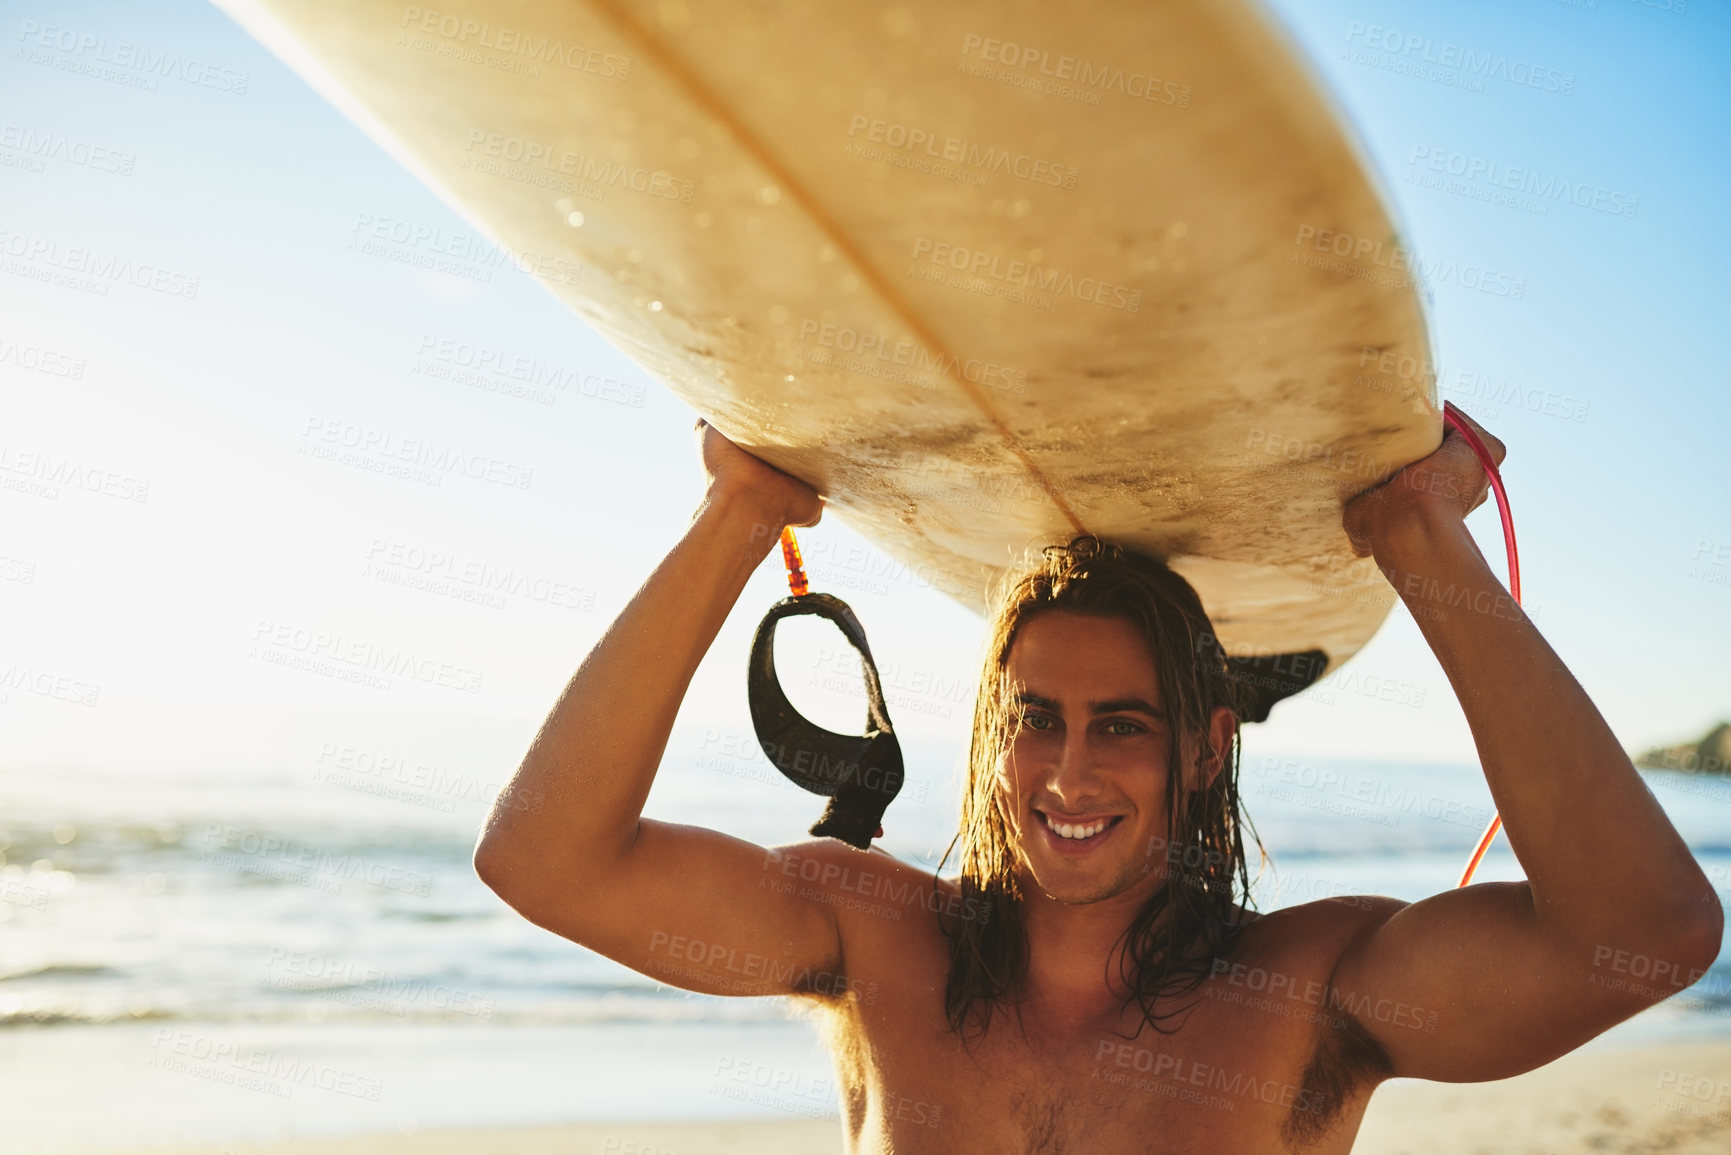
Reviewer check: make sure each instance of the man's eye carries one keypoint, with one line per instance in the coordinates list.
(1030, 720)
(1134, 728)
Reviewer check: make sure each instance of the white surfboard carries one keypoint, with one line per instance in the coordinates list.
(986, 275)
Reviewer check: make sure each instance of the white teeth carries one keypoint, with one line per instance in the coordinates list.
(1065, 830)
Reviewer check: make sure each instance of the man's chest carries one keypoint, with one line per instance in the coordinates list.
(1228, 1078)
(1252, 1059)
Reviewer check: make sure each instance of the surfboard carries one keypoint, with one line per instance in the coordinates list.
(986, 275)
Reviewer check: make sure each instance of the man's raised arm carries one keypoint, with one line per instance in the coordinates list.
(565, 843)
(1501, 977)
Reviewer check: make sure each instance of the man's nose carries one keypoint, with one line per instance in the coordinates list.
(1074, 777)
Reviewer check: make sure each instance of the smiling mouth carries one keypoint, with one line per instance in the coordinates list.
(1079, 832)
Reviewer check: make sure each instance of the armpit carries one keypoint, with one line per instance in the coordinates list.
(1347, 1056)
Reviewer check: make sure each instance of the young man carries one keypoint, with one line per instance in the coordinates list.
(1092, 981)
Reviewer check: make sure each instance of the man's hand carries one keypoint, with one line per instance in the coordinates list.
(729, 468)
(1450, 483)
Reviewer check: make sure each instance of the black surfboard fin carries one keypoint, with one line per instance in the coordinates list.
(1266, 680)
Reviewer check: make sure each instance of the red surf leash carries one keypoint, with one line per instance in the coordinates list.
(1452, 416)
(795, 564)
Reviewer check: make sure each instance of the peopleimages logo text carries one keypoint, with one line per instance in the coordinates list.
(1485, 65)
(956, 150)
(1525, 180)
(1041, 278)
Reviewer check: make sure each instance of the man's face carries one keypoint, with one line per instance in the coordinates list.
(1083, 783)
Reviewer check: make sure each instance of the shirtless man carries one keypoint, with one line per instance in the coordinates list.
(1110, 993)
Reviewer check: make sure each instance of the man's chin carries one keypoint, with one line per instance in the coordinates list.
(1074, 891)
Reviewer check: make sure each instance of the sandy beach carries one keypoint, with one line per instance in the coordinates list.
(1674, 1098)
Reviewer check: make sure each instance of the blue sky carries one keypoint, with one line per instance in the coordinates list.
(155, 620)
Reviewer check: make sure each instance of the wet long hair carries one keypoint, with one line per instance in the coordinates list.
(1204, 847)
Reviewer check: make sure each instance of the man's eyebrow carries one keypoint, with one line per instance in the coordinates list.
(1110, 706)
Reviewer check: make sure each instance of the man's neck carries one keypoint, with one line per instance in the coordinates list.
(1075, 954)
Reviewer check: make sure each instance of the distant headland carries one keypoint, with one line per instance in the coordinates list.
(1711, 755)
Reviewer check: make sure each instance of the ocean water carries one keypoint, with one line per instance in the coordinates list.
(207, 958)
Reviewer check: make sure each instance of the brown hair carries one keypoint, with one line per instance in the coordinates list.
(1205, 850)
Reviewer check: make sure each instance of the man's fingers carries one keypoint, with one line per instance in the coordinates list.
(1497, 449)
(1453, 473)
(1356, 520)
(1494, 444)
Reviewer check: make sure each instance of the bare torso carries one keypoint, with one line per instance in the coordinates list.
(1245, 1071)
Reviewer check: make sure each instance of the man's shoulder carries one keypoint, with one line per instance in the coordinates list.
(890, 913)
(872, 882)
(1317, 931)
